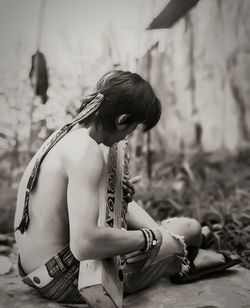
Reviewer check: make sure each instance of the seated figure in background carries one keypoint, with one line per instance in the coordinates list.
(58, 203)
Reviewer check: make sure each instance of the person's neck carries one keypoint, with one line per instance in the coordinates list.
(93, 132)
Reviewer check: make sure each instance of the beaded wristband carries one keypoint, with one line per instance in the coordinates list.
(150, 239)
(146, 237)
(154, 240)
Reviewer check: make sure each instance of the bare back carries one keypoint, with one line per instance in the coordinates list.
(48, 231)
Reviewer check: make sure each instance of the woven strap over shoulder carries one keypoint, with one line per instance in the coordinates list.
(92, 103)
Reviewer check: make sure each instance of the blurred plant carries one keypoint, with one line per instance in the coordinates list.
(213, 188)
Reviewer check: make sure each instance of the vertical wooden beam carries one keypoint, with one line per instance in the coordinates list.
(101, 281)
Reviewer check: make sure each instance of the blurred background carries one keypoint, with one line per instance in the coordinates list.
(196, 55)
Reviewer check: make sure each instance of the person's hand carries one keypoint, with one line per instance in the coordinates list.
(135, 256)
(153, 253)
(144, 259)
(128, 188)
(134, 261)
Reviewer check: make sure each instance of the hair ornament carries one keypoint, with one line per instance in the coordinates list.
(89, 104)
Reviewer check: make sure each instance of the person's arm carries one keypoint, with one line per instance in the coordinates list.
(138, 218)
(87, 240)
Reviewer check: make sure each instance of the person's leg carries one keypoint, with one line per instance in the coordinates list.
(168, 262)
(179, 234)
(191, 231)
(187, 227)
(171, 258)
(201, 261)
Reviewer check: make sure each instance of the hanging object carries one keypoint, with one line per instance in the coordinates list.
(173, 11)
(39, 75)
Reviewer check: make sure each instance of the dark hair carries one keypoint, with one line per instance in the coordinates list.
(127, 93)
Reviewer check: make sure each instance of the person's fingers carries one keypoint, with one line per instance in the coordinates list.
(148, 262)
(128, 182)
(127, 190)
(129, 197)
(128, 200)
(135, 179)
(151, 256)
(136, 259)
(131, 190)
(133, 254)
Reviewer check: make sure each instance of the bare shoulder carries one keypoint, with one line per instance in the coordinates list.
(82, 154)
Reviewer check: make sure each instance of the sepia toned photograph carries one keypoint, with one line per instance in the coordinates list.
(125, 153)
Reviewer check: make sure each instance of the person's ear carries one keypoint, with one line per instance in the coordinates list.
(122, 121)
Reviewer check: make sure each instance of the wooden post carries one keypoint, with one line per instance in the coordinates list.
(101, 281)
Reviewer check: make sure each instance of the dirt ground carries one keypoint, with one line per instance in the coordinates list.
(228, 290)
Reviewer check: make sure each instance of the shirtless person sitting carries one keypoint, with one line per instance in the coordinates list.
(58, 201)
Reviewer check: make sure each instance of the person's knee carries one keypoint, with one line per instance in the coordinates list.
(193, 225)
(193, 232)
(187, 227)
